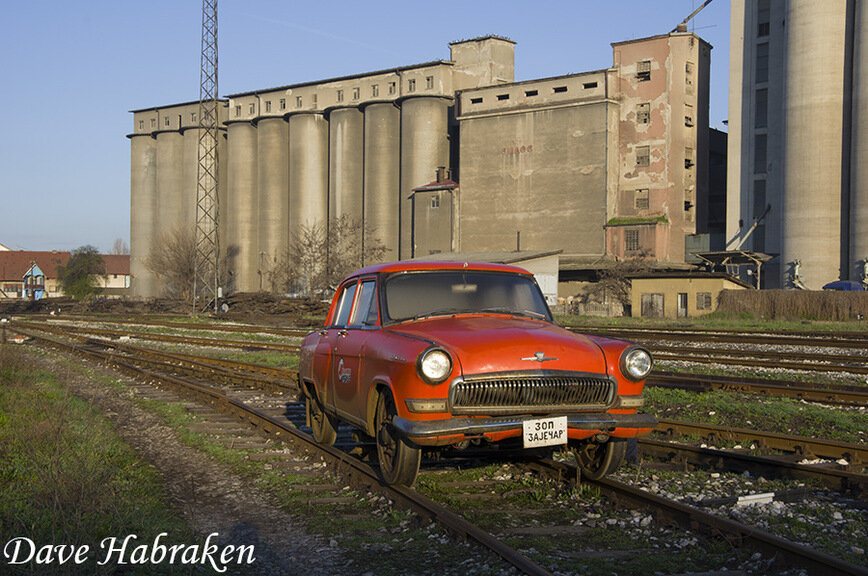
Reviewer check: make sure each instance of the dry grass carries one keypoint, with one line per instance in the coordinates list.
(793, 304)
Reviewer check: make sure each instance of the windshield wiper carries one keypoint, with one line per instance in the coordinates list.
(438, 312)
(512, 311)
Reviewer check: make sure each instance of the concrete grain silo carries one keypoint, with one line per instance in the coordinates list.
(814, 111)
(191, 176)
(424, 147)
(346, 163)
(382, 174)
(170, 183)
(143, 211)
(240, 213)
(308, 171)
(859, 151)
(273, 146)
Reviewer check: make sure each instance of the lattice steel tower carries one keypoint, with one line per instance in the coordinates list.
(206, 279)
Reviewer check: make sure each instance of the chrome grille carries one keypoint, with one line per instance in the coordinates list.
(511, 393)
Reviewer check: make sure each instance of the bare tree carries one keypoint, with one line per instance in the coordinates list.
(616, 282)
(173, 261)
(320, 257)
(120, 247)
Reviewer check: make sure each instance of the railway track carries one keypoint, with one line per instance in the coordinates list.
(276, 427)
(855, 363)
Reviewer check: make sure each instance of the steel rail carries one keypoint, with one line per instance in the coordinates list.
(242, 344)
(354, 470)
(648, 335)
(730, 461)
(856, 454)
(830, 393)
(742, 360)
(692, 518)
(202, 326)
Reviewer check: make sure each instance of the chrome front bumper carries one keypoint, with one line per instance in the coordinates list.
(474, 426)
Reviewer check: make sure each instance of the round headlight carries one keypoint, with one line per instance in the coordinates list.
(434, 365)
(636, 363)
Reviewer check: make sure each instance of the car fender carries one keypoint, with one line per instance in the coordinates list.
(377, 386)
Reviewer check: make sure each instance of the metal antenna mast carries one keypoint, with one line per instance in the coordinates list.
(206, 277)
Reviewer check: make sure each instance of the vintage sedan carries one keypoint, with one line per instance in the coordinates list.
(433, 354)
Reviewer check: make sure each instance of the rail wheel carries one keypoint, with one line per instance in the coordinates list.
(597, 460)
(399, 462)
(321, 424)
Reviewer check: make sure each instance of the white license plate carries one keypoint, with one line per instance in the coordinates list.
(545, 432)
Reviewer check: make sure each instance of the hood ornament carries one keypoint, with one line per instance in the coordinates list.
(539, 357)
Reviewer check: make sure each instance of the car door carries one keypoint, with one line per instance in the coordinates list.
(324, 364)
(349, 351)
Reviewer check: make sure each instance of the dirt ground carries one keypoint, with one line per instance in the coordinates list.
(252, 308)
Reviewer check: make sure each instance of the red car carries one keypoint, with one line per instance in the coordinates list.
(433, 354)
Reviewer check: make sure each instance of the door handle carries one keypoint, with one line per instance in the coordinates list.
(342, 333)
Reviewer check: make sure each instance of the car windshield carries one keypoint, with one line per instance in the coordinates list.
(432, 293)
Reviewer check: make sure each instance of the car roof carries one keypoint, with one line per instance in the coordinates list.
(421, 265)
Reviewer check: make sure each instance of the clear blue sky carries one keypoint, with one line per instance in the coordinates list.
(70, 72)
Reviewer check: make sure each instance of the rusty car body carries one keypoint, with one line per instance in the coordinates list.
(421, 355)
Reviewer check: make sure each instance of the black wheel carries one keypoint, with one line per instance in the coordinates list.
(321, 425)
(597, 460)
(399, 462)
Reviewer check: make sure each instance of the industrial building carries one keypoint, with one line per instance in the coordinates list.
(797, 181)
(445, 156)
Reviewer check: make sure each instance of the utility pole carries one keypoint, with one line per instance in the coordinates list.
(206, 281)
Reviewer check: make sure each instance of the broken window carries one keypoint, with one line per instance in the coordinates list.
(643, 155)
(643, 113)
(643, 70)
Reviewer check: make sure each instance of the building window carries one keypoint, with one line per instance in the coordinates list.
(283, 103)
(435, 202)
(643, 70)
(688, 115)
(476, 100)
(238, 110)
(641, 199)
(762, 62)
(253, 109)
(559, 89)
(392, 87)
(688, 77)
(313, 100)
(761, 119)
(631, 240)
(141, 124)
(688, 158)
(411, 85)
(760, 143)
(193, 117)
(643, 113)
(429, 82)
(375, 90)
(589, 85)
(763, 18)
(759, 198)
(703, 300)
(153, 122)
(298, 102)
(530, 93)
(356, 94)
(268, 105)
(643, 155)
(503, 97)
(167, 121)
(340, 96)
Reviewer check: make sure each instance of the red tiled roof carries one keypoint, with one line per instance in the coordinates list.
(14, 264)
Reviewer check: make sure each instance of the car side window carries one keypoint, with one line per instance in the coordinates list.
(345, 305)
(365, 313)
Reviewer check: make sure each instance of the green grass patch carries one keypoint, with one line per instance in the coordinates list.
(739, 410)
(67, 478)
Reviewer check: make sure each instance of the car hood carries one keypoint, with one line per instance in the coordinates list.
(488, 343)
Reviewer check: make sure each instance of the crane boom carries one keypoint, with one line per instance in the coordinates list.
(682, 27)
